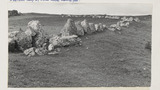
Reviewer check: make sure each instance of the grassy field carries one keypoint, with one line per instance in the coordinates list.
(105, 59)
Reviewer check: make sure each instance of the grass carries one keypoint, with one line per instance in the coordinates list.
(105, 59)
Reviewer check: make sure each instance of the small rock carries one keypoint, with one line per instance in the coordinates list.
(29, 52)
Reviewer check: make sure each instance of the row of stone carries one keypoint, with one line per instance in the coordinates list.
(81, 28)
(34, 40)
(124, 22)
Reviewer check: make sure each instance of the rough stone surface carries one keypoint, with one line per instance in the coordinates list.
(30, 32)
(97, 27)
(100, 27)
(80, 30)
(23, 41)
(30, 52)
(69, 28)
(11, 44)
(41, 51)
(35, 25)
(85, 25)
(92, 27)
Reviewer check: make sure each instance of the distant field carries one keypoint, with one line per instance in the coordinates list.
(105, 59)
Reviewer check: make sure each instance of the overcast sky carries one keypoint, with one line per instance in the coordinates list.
(107, 8)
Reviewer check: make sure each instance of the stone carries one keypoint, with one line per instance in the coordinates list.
(50, 47)
(41, 51)
(11, 45)
(62, 41)
(111, 29)
(30, 32)
(136, 19)
(92, 27)
(69, 28)
(104, 27)
(12, 34)
(30, 52)
(80, 30)
(35, 25)
(55, 40)
(23, 41)
(85, 26)
(100, 27)
(39, 39)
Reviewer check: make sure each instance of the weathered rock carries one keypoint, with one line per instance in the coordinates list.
(136, 19)
(41, 51)
(23, 41)
(130, 19)
(12, 34)
(80, 30)
(85, 25)
(69, 28)
(50, 47)
(111, 29)
(116, 26)
(104, 27)
(11, 45)
(30, 52)
(100, 27)
(39, 39)
(124, 18)
(35, 25)
(58, 41)
(70, 40)
(92, 27)
(55, 40)
(55, 52)
(113, 25)
(35, 30)
(97, 27)
(123, 23)
(30, 32)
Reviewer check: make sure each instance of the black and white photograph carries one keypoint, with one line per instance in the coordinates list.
(79, 45)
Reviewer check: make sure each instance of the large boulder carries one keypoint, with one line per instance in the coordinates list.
(23, 41)
(35, 30)
(55, 40)
(136, 19)
(92, 27)
(61, 41)
(30, 32)
(70, 40)
(35, 25)
(11, 45)
(69, 28)
(85, 25)
(39, 39)
(80, 30)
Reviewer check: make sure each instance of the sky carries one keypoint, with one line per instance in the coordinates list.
(85, 8)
